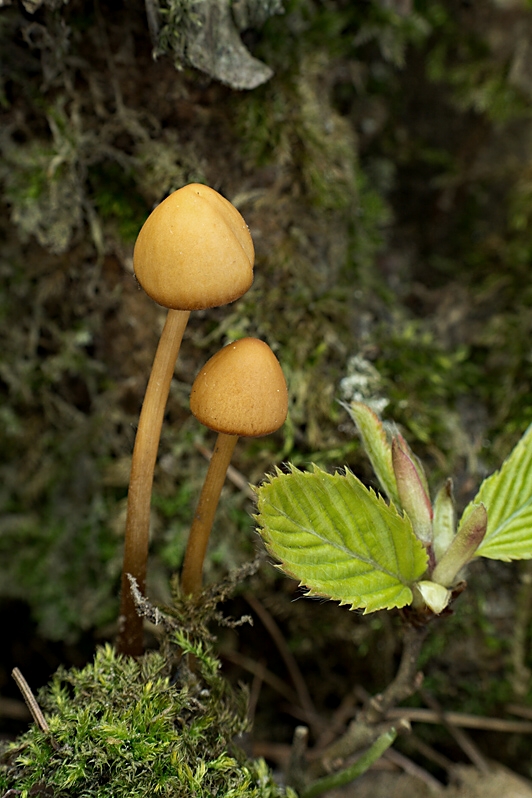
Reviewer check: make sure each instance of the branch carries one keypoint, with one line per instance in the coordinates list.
(381, 744)
(370, 722)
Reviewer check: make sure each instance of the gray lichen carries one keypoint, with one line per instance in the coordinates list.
(204, 34)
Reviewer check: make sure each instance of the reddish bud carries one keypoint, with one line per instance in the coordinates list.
(413, 495)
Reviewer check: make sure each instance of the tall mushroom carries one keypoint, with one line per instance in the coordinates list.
(241, 391)
(193, 252)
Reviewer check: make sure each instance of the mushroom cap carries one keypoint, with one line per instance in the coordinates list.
(194, 251)
(241, 390)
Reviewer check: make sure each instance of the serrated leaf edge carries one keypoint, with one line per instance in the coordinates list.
(357, 602)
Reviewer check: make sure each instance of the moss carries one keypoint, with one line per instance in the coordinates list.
(122, 727)
(78, 593)
(178, 21)
(478, 70)
(422, 378)
(116, 198)
(39, 184)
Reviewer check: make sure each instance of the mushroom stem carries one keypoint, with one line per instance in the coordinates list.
(198, 539)
(129, 639)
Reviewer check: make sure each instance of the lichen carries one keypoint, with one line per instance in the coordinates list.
(203, 34)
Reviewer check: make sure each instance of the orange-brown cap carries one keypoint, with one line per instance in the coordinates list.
(241, 390)
(194, 251)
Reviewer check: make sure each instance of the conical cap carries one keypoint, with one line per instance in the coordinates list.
(241, 390)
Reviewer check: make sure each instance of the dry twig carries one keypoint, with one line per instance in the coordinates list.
(412, 769)
(461, 719)
(466, 744)
(258, 669)
(31, 701)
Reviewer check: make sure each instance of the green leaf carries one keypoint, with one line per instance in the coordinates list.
(464, 546)
(435, 596)
(444, 521)
(376, 445)
(507, 496)
(339, 539)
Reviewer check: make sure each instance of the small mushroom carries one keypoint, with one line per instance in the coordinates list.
(194, 251)
(241, 391)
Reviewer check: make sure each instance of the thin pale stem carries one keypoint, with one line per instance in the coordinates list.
(140, 484)
(198, 539)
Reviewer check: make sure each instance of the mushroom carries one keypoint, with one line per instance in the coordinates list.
(241, 391)
(193, 252)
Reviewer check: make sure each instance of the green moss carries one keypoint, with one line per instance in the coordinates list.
(480, 77)
(295, 123)
(117, 199)
(40, 182)
(292, 121)
(64, 569)
(123, 727)
(179, 21)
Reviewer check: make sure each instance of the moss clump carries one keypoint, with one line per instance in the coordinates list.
(121, 727)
